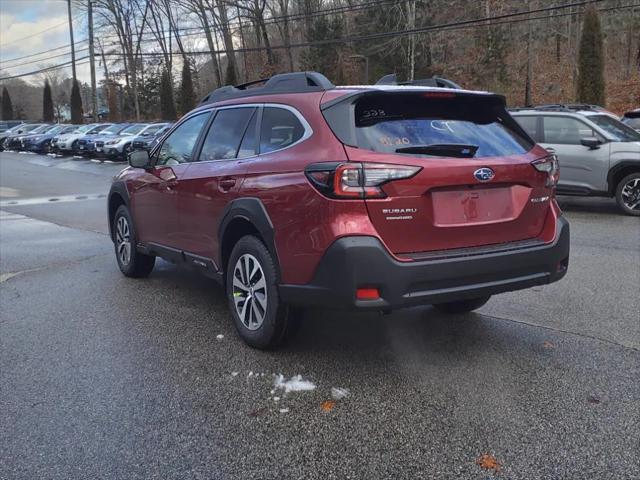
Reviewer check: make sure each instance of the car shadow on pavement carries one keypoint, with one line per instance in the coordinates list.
(589, 205)
(419, 333)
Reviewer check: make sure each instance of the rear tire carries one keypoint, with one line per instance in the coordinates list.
(628, 194)
(131, 262)
(461, 306)
(252, 278)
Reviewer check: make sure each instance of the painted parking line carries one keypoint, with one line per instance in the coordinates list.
(18, 202)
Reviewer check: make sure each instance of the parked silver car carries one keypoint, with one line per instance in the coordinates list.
(598, 154)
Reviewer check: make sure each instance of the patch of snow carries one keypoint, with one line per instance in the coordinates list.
(338, 393)
(219, 336)
(294, 384)
(276, 399)
(234, 374)
(284, 410)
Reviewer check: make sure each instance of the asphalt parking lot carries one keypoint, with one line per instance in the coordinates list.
(102, 376)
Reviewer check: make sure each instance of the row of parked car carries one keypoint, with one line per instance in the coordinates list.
(108, 140)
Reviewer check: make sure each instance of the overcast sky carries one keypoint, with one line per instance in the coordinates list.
(32, 26)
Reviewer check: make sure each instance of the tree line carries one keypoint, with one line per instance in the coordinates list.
(157, 57)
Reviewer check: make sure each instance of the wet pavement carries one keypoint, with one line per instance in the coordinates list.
(102, 376)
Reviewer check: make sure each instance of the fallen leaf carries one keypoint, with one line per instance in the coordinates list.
(488, 462)
(327, 405)
(548, 345)
(593, 399)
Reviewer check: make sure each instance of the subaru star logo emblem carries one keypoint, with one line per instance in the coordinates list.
(484, 174)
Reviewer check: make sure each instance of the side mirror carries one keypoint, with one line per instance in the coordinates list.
(140, 159)
(591, 142)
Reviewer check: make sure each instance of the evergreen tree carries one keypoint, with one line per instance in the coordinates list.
(187, 93)
(7, 106)
(47, 103)
(167, 105)
(76, 104)
(591, 61)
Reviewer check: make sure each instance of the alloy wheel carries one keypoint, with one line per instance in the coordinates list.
(123, 241)
(249, 291)
(631, 194)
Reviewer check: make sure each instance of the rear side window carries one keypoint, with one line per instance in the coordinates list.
(225, 134)
(280, 128)
(529, 124)
(420, 125)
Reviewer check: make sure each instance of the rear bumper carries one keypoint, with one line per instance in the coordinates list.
(363, 262)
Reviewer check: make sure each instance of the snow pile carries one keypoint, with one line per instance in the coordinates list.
(339, 393)
(294, 384)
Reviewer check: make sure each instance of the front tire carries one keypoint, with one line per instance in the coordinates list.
(628, 194)
(131, 262)
(461, 306)
(252, 292)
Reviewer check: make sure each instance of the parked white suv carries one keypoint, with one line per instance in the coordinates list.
(598, 154)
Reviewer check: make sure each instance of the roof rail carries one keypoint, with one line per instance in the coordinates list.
(561, 107)
(435, 81)
(296, 82)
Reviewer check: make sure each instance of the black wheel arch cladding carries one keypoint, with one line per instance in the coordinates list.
(252, 210)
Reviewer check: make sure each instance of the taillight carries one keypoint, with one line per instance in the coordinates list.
(356, 180)
(549, 165)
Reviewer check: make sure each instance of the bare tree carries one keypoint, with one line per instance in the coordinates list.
(122, 16)
(202, 12)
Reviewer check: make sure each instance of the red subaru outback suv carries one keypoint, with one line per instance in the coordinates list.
(301, 193)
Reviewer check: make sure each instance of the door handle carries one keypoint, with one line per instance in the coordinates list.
(226, 184)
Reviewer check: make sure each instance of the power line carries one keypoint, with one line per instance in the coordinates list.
(199, 30)
(507, 18)
(399, 33)
(46, 69)
(34, 34)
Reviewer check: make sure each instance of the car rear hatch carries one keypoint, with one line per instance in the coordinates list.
(473, 183)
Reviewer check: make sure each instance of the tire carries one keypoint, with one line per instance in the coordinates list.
(261, 319)
(462, 306)
(138, 265)
(126, 150)
(628, 194)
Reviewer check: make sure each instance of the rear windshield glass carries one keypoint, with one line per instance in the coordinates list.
(391, 123)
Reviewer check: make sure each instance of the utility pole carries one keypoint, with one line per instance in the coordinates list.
(94, 98)
(527, 88)
(411, 50)
(73, 47)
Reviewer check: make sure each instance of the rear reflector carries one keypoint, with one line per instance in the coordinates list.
(367, 294)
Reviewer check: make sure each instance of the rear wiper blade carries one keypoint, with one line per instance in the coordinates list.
(444, 149)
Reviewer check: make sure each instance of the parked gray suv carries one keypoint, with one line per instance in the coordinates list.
(598, 154)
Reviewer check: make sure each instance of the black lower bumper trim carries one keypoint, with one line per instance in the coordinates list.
(361, 261)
